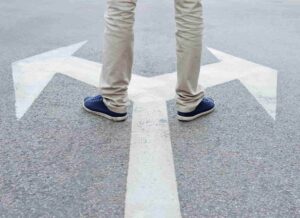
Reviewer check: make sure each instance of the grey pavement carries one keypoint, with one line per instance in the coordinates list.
(58, 161)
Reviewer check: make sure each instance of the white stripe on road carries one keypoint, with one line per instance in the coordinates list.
(151, 182)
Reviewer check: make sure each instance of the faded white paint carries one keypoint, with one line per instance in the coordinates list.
(151, 183)
(260, 81)
(32, 75)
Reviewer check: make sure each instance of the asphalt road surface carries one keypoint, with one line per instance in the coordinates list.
(59, 161)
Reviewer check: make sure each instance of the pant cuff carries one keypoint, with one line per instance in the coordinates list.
(120, 110)
(188, 108)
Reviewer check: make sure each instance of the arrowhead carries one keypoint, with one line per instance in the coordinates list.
(260, 81)
(31, 75)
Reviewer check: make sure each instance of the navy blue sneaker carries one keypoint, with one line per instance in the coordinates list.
(96, 106)
(206, 106)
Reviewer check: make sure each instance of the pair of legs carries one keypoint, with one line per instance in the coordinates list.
(118, 54)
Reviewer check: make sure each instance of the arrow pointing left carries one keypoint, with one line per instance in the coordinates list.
(31, 75)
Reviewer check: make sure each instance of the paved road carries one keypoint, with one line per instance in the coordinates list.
(58, 161)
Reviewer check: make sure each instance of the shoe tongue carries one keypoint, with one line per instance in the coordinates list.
(98, 97)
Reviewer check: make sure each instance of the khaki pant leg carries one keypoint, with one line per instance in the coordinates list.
(117, 53)
(189, 24)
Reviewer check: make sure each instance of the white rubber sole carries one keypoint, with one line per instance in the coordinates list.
(183, 118)
(116, 119)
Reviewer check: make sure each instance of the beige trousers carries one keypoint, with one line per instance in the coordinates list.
(118, 53)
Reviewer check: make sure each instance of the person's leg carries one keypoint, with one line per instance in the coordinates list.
(189, 24)
(117, 54)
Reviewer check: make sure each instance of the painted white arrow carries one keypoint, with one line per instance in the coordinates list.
(32, 75)
(151, 182)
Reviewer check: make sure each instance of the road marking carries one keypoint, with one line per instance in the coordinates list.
(151, 182)
(32, 75)
(260, 81)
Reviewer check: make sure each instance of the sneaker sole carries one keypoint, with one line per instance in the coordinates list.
(183, 118)
(116, 119)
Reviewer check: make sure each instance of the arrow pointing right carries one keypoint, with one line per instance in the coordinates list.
(260, 81)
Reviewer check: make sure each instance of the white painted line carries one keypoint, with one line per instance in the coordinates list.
(151, 181)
